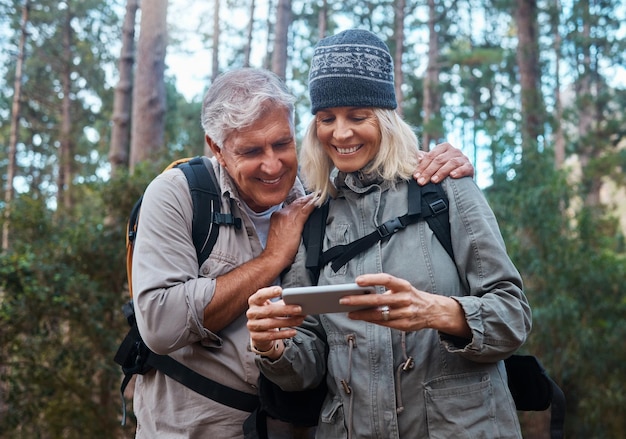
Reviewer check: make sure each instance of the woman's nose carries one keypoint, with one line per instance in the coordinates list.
(342, 130)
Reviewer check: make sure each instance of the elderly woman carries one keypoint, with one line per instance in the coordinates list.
(424, 359)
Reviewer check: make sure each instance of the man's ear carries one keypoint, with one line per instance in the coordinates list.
(215, 149)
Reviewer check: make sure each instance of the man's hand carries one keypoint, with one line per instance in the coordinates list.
(442, 161)
(285, 231)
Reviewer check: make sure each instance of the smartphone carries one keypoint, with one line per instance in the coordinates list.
(324, 299)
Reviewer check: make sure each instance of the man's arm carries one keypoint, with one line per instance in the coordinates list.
(233, 289)
(442, 161)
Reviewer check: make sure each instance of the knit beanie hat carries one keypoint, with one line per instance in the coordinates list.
(351, 69)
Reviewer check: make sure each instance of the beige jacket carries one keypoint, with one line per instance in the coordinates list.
(170, 297)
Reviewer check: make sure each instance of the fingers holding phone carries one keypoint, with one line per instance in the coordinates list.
(269, 318)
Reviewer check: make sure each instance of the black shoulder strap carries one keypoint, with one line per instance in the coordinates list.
(204, 386)
(313, 237)
(205, 193)
(427, 202)
(435, 210)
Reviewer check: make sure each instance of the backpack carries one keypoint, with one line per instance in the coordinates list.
(531, 387)
(133, 355)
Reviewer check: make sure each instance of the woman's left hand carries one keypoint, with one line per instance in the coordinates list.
(406, 308)
(270, 321)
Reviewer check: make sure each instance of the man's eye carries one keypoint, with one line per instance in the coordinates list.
(251, 152)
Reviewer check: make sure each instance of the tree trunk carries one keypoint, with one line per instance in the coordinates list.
(270, 30)
(215, 62)
(399, 13)
(431, 104)
(248, 47)
(148, 125)
(528, 65)
(586, 107)
(66, 152)
(122, 103)
(281, 38)
(559, 136)
(322, 17)
(9, 193)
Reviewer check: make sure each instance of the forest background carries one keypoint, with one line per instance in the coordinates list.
(533, 91)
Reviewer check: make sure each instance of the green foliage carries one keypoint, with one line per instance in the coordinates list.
(63, 283)
(60, 323)
(573, 270)
(183, 131)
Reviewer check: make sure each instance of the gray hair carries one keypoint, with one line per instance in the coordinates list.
(238, 98)
(396, 159)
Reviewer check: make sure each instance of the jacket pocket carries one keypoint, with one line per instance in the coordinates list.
(332, 420)
(461, 406)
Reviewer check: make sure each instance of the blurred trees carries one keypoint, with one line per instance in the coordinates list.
(530, 91)
(148, 103)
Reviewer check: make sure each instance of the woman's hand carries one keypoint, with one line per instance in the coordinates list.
(406, 308)
(270, 321)
(442, 161)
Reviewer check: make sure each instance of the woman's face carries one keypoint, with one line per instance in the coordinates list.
(350, 136)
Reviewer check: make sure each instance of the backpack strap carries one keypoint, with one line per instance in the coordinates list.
(191, 379)
(204, 192)
(427, 202)
(435, 210)
(313, 237)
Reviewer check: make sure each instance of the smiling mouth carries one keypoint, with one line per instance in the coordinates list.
(274, 181)
(348, 150)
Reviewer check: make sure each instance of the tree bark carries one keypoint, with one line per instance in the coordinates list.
(66, 152)
(281, 38)
(122, 103)
(9, 193)
(559, 136)
(528, 65)
(215, 62)
(322, 17)
(399, 13)
(587, 110)
(432, 104)
(148, 125)
(267, 60)
(250, 30)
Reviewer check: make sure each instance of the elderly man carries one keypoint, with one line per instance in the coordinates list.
(196, 315)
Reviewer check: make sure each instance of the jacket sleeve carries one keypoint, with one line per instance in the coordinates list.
(169, 296)
(496, 309)
(303, 363)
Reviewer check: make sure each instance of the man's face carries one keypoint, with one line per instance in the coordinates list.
(261, 159)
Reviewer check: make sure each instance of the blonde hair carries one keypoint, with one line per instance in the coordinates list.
(396, 159)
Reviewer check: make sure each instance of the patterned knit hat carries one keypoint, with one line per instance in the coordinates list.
(351, 69)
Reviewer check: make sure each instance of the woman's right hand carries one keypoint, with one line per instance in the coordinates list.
(270, 321)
